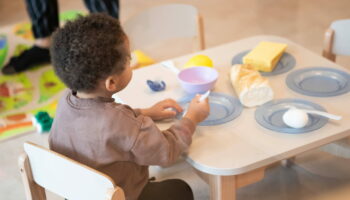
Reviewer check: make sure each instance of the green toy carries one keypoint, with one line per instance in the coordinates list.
(70, 15)
(42, 121)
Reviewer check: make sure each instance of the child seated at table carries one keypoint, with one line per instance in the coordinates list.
(91, 56)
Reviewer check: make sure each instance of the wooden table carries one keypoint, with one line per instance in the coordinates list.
(235, 154)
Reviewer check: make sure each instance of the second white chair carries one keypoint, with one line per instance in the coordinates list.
(337, 40)
(163, 23)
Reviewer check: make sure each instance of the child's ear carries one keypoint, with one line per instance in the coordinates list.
(111, 84)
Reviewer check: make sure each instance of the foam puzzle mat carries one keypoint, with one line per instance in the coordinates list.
(24, 94)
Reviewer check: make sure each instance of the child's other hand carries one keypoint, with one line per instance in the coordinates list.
(198, 110)
(163, 110)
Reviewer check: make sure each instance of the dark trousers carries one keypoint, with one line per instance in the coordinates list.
(44, 13)
(171, 189)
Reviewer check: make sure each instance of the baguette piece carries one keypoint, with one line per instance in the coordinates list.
(251, 88)
(265, 56)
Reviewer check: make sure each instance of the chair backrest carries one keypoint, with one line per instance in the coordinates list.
(165, 22)
(44, 169)
(337, 39)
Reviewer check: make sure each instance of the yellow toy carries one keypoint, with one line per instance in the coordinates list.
(199, 60)
(140, 59)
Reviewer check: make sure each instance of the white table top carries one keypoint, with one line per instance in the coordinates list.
(243, 145)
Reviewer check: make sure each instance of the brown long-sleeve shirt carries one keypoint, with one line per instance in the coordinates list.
(116, 140)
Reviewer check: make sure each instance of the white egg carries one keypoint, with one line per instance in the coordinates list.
(295, 118)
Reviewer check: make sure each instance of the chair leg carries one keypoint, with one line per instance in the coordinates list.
(201, 36)
(116, 194)
(328, 45)
(33, 191)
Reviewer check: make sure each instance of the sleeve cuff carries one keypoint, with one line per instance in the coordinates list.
(187, 122)
(137, 111)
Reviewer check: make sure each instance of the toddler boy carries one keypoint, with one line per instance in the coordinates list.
(91, 56)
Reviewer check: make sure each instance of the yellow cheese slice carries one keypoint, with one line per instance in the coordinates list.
(265, 56)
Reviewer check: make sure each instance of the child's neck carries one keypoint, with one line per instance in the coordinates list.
(92, 95)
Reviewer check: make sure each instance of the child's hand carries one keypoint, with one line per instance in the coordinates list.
(198, 110)
(163, 110)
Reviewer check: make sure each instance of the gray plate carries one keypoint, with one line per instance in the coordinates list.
(286, 63)
(270, 115)
(319, 82)
(223, 108)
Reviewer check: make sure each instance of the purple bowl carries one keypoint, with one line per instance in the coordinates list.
(197, 79)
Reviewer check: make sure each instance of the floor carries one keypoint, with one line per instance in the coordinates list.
(317, 175)
(302, 21)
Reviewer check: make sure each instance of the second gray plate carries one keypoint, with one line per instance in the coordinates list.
(269, 115)
(319, 81)
(286, 63)
(223, 108)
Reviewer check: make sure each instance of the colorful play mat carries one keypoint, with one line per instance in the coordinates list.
(25, 94)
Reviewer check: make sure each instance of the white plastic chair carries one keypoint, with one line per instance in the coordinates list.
(337, 40)
(165, 22)
(44, 169)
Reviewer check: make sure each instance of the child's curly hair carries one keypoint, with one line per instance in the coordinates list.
(88, 50)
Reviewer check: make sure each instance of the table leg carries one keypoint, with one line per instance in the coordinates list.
(287, 163)
(222, 187)
(225, 187)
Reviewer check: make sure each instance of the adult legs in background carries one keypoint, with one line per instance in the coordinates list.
(44, 18)
(110, 7)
